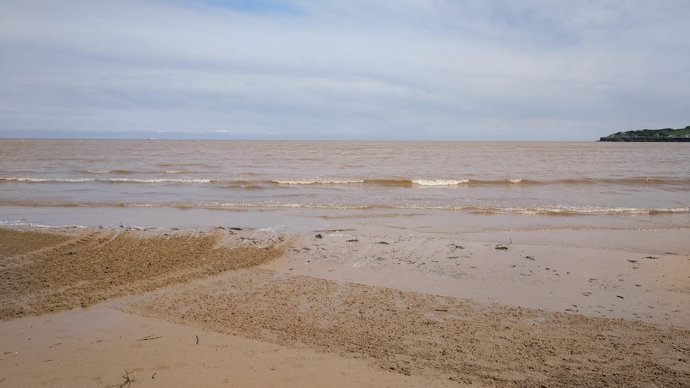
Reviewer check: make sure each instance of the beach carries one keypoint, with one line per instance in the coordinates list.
(347, 306)
(285, 193)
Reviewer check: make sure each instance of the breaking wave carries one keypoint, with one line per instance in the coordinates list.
(105, 180)
(483, 210)
(47, 180)
(316, 182)
(439, 182)
(682, 184)
(158, 180)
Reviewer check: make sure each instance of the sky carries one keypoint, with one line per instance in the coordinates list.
(357, 69)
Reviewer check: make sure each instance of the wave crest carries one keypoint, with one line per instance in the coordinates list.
(105, 180)
(439, 182)
(317, 182)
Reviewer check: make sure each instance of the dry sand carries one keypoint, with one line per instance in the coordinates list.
(343, 309)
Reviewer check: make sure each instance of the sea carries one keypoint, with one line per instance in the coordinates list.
(103, 181)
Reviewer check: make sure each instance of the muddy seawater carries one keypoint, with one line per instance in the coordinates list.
(647, 182)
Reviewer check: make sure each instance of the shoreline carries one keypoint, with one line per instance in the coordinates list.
(375, 302)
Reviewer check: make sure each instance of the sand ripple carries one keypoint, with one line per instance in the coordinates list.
(63, 272)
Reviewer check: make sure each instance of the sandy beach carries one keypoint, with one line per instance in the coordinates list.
(285, 193)
(355, 306)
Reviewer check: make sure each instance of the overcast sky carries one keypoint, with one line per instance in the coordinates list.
(357, 69)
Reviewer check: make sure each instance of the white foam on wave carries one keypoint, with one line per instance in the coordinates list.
(24, 223)
(586, 210)
(517, 180)
(439, 182)
(70, 226)
(317, 182)
(26, 179)
(157, 180)
(276, 205)
(537, 211)
(20, 221)
(113, 180)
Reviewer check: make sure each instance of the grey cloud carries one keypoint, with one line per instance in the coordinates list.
(411, 69)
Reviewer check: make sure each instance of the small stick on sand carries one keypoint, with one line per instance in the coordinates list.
(149, 338)
(197, 340)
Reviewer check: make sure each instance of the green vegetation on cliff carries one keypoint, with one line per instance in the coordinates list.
(653, 135)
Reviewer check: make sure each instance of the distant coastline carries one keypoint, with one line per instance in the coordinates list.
(651, 135)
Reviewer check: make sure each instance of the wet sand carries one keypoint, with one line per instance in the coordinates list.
(357, 307)
(640, 274)
(95, 347)
(90, 266)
